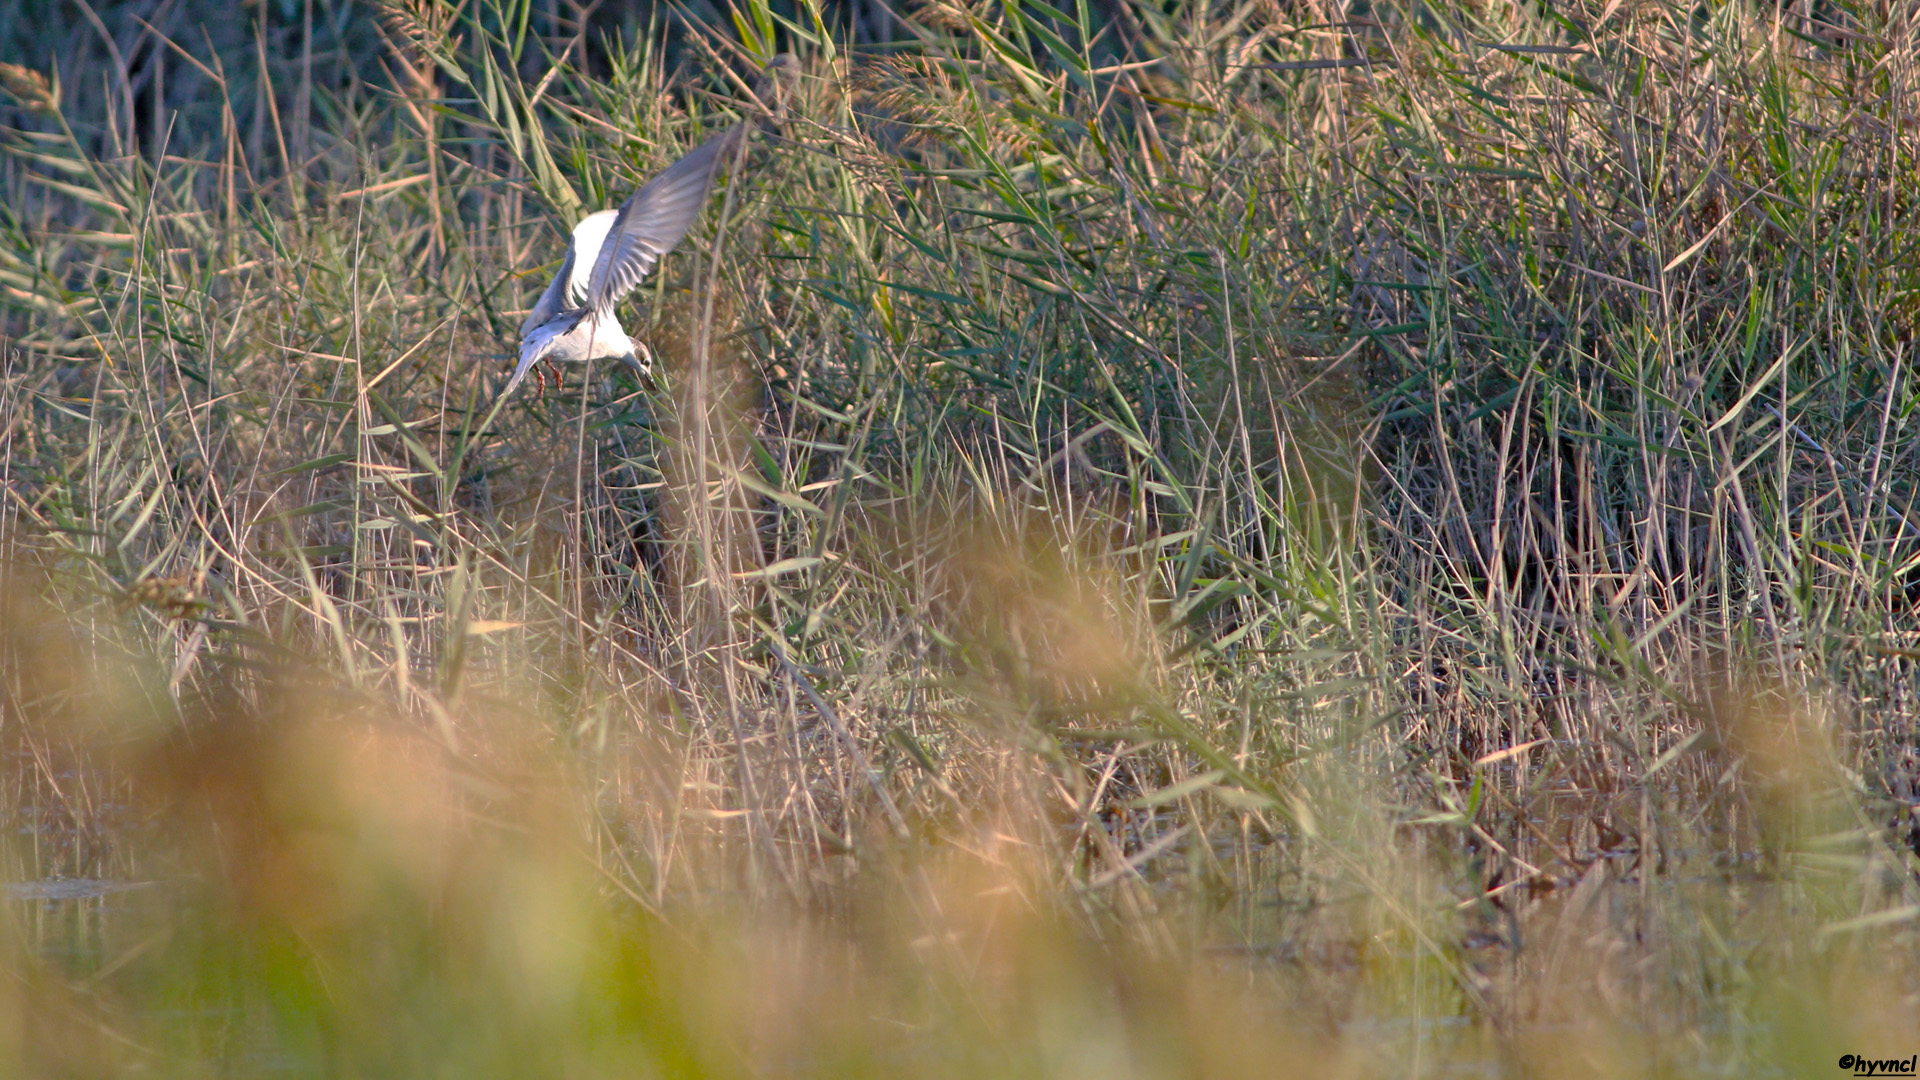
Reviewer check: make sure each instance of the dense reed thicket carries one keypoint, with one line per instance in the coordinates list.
(1165, 539)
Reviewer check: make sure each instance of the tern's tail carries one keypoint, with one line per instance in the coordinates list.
(539, 342)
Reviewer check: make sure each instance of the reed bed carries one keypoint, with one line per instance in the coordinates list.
(1163, 540)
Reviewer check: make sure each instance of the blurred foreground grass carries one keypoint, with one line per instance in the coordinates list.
(1192, 540)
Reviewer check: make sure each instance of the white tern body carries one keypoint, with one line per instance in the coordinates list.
(614, 250)
(611, 252)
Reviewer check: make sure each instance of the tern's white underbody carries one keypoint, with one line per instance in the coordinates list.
(577, 336)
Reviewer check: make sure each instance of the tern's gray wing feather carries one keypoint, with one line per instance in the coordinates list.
(540, 340)
(553, 301)
(654, 220)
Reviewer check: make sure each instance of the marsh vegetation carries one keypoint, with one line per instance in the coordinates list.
(1166, 539)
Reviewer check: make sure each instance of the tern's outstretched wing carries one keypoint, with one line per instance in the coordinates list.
(654, 220)
(569, 287)
(553, 301)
